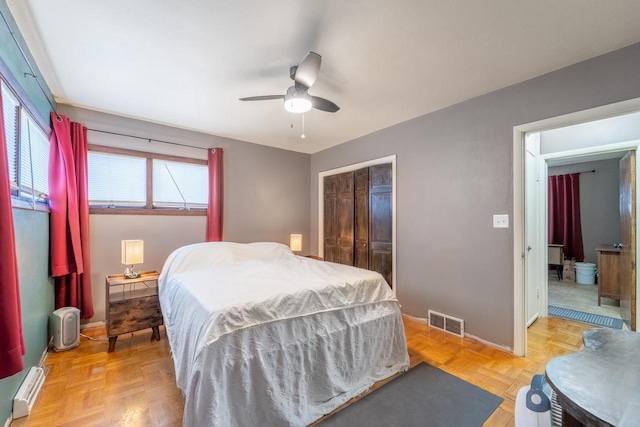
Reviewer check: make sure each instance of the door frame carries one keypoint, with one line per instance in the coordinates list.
(519, 133)
(380, 161)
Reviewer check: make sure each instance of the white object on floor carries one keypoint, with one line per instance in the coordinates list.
(585, 273)
(533, 404)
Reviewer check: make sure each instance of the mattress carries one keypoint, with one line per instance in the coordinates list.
(260, 336)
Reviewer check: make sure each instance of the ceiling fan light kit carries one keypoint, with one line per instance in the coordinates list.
(295, 102)
(297, 98)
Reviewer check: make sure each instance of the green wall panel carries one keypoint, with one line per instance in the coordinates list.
(15, 63)
(31, 227)
(36, 295)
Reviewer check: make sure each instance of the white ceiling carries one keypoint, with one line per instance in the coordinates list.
(186, 63)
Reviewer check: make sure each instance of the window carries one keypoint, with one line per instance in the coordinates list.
(10, 108)
(34, 158)
(27, 149)
(180, 185)
(117, 181)
(135, 182)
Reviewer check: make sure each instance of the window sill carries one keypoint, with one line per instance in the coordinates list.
(19, 203)
(142, 211)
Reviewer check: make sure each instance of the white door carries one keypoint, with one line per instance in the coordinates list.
(532, 230)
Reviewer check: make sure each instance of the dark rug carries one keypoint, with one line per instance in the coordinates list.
(423, 396)
(581, 316)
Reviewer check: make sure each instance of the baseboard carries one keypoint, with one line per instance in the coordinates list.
(425, 321)
(92, 325)
(489, 343)
(45, 354)
(8, 422)
(416, 319)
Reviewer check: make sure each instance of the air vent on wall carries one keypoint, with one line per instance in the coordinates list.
(447, 323)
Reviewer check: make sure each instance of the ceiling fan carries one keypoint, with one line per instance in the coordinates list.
(297, 98)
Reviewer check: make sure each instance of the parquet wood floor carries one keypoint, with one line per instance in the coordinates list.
(135, 385)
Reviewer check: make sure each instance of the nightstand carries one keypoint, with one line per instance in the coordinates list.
(132, 305)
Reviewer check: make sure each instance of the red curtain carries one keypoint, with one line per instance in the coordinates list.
(216, 187)
(11, 339)
(68, 199)
(564, 214)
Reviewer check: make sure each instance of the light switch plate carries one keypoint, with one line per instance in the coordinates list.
(501, 221)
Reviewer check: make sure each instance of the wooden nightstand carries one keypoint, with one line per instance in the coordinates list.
(132, 304)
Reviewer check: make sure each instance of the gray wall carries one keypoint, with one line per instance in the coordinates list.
(266, 196)
(599, 203)
(455, 172)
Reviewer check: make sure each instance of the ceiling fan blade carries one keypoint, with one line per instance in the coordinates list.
(323, 104)
(262, 98)
(307, 71)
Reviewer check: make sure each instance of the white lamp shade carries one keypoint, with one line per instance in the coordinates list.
(297, 105)
(295, 242)
(132, 252)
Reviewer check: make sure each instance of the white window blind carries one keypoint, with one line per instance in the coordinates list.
(170, 179)
(116, 180)
(10, 106)
(34, 157)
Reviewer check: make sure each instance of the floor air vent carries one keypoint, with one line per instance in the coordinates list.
(447, 323)
(27, 393)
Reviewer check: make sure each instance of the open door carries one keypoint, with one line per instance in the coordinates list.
(532, 229)
(628, 239)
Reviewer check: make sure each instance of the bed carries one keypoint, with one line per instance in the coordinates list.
(260, 336)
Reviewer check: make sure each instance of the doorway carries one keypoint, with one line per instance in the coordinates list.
(520, 212)
(597, 227)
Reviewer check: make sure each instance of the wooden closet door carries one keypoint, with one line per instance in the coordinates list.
(381, 220)
(362, 218)
(330, 225)
(339, 218)
(345, 217)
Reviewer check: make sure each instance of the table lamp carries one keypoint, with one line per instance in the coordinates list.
(295, 242)
(132, 253)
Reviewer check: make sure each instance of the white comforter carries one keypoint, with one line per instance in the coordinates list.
(261, 336)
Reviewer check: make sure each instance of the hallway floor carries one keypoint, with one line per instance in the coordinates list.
(580, 297)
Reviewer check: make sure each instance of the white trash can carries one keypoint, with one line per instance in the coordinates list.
(585, 273)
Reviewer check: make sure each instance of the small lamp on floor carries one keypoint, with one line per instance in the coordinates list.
(132, 253)
(295, 242)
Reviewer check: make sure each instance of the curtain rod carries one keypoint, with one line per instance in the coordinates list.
(591, 171)
(32, 73)
(147, 139)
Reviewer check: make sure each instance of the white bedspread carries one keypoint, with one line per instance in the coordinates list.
(261, 336)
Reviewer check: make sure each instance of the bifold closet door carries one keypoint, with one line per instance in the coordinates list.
(358, 219)
(381, 220)
(361, 227)
(339, 218)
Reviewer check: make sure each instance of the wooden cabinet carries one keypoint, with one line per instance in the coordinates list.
(608, 272)
(132, 305)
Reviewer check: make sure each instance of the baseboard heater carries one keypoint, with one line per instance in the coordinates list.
(447, 323)
(28, 392)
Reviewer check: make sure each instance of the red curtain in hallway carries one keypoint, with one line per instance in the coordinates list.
(216, 191)
(69, 202)
(11, 341)
(564, 214)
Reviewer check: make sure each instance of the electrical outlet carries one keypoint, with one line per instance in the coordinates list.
(501, 221)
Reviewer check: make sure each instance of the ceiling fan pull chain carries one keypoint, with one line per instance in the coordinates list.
(303, 136)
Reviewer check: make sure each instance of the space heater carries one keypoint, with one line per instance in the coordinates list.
(66, 328)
